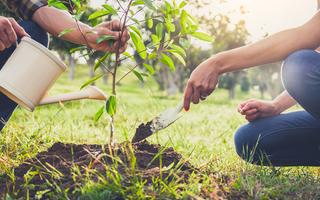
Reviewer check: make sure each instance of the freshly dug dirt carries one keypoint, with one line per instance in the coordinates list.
(142, 132)
(57, 165)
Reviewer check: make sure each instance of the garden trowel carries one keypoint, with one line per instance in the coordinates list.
(162, 121)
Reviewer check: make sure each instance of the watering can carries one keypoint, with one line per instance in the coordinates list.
(31, 71)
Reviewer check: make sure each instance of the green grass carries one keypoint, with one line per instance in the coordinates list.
(204, 136)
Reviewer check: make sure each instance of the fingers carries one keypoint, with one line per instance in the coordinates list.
(12, 36)
(5, 26)
(117, 26)
(9, 32)
(250, 105)
(253, 117)
(4, 38)
(17, 28)
(104, 31)
(114, 25)
(125, 37)
(124, 48)
(187, 96)
(196, 95)
(250, 112)
(2, 46)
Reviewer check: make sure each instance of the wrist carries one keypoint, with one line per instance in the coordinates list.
(277, 107)
(219, 62)
(85, 32)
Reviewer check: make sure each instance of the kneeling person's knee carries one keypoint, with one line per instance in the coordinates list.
(247, 145)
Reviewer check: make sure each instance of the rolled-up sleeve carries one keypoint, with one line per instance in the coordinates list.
(25, 8)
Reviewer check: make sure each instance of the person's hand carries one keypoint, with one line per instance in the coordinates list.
(112, 28)
(10, 30)
(255, 109)
(201, 83)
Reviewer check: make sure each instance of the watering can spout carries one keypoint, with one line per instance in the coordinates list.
(90, 92)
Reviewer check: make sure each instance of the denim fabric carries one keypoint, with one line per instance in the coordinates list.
(7, 106)
(291, 139)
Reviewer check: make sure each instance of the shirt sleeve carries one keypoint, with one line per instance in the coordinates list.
(26, 8)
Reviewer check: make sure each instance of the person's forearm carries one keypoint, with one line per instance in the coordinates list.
(283, 102)
(271, 49)
(55, 21)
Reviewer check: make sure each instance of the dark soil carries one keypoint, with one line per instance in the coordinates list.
(57, 165)
(142, 132)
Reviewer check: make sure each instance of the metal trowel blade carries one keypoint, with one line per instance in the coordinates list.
(167, 117)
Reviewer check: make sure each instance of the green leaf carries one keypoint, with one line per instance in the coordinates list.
(152, 55)
(98, 114)
(79, 15)
(202, 36)
(183, 22)
(57, 4)
(104, 38)
(137, 2)
(179, 57)
(136, 30)
(149, 68)
(138, 75)
(91, 81)
(139, 45)
(110, 9)
(149, 4)
(77, 3)
(111, 105)
(78, 49)
(128, 55)
(159, 30)
(155, 41)
(101, 60)
(98, 14)
(65, 31)
(167, 61)
(179, 50)
(150, 23)
(182, 4)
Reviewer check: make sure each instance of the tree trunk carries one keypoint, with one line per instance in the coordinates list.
(91, 69)
(232, 92)
(261, 94)
(172, 88)
(72, 66)
(105, 77)
(160, 80)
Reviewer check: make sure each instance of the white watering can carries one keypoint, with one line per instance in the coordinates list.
(31, 71)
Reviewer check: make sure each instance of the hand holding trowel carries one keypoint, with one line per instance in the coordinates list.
(158, 123)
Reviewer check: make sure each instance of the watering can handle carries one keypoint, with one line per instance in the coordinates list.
(89, 93)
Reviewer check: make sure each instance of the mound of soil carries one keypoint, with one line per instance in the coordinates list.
(57, 165)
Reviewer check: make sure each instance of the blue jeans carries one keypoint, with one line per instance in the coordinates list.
(7, 106)
(291, 139)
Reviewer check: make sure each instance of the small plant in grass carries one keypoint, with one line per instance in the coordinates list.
(158, 30)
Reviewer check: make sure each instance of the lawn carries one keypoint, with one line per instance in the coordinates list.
(204, 136)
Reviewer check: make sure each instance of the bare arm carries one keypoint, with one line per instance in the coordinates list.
(283, 102)
(277, 47)
(274, 48)
(55, 21)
